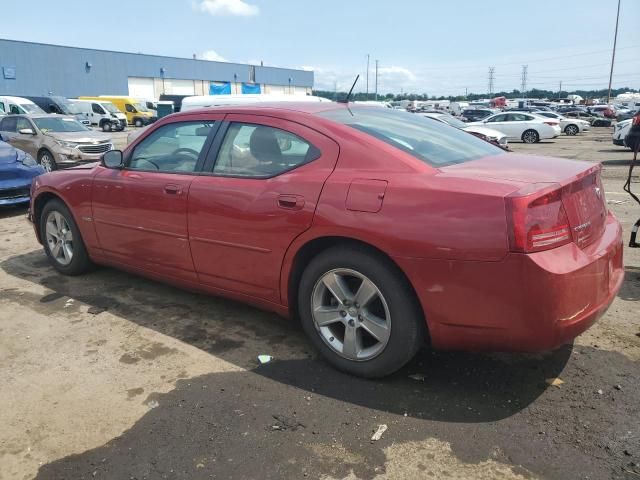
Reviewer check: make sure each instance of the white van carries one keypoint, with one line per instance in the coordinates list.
(203, 101)
(103, 114)
(18, 105)
(457, 107)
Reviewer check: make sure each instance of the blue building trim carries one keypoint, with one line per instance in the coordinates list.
(71, 71)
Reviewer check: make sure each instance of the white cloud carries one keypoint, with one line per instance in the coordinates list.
(397, 72)
(212, 55)
(227, 7)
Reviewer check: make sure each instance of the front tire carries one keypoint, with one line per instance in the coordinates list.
(107, 127)
(376, 328)
(62, 240)
(47, 161)
(530, 136)
(138, 122)
(571, 130)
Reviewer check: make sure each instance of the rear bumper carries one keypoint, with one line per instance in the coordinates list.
(619, 142)
(529, 303)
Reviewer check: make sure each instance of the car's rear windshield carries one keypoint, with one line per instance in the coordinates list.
(432, 142)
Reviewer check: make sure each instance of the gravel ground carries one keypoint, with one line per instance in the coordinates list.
(113, 376)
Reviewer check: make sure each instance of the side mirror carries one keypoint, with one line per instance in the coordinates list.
(26, 131)
(112, 159)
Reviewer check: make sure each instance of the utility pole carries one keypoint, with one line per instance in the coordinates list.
(613, 55)
(560, 90)
(376, 80)
(466, 92)
(367, 97)
(524, 81)
(491, 71)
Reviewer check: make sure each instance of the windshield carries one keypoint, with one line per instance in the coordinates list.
(140, 107)
(109, 107)
(31, 108)
(432, 142)
(46, 125)
(70, 108)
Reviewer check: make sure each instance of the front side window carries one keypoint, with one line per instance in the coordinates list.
(97, 109)
(432, 142)
(129, 108)
(174, 147)
(23, 123)
(259, 151)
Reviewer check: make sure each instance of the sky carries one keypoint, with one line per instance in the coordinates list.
(422, 46)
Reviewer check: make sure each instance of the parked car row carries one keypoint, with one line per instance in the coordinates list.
(105, 112)
(56, 141)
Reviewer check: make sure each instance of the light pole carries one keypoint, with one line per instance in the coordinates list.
(613, 55)
(367, 96)
(376, 80)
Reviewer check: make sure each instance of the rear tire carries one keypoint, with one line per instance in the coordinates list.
(62, 240)
(47, 161)
(571, 130)
(530, 136)
(369, 340)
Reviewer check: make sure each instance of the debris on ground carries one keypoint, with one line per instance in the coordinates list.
(264, 359)
(599, 391)
(68, 303)
(378, 435)
(153, 404)
(284, 423)
(417, 376)
(96, 310)
(555, 381)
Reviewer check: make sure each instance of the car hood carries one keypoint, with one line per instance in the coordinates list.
(81, 137)
(523, 169)
(487, 132)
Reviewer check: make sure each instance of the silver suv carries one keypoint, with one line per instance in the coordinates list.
(56, 141)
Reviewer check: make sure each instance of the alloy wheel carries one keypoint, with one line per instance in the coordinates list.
(59, 238)
(571, 130)
(46, 162)
(351, 314)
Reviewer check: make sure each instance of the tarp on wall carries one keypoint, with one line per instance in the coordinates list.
(251, 88)
(220, 88)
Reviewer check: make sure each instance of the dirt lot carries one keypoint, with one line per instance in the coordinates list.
(111, 376)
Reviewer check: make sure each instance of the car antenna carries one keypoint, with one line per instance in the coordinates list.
(346, 100)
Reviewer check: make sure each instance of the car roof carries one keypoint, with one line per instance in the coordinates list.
(300, 107)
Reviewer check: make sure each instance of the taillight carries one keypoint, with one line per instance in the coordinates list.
(538, 221)
(552, 123)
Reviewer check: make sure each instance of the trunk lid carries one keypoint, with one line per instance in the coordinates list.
(582, 192)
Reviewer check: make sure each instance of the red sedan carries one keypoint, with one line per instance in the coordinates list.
(379, 229)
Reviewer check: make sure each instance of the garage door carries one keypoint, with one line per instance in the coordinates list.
(141, 88)
(179, 87)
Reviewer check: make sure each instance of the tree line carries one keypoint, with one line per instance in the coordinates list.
(513, 94)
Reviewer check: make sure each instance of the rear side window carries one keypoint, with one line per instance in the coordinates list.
(259, 151)
(9, 124)
(435, 143)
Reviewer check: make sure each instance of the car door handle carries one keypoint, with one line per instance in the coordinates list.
(291, 202)
(173, 189)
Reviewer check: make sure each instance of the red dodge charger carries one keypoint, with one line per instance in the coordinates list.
(378, 229)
